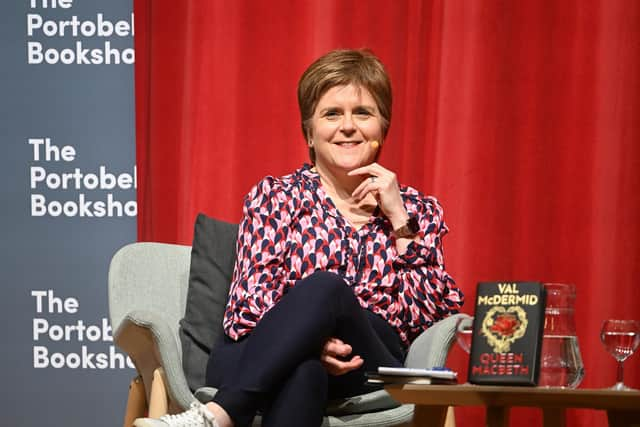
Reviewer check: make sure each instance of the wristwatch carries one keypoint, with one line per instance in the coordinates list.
(409, 229)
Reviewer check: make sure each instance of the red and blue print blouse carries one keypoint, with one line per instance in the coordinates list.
(291, 228)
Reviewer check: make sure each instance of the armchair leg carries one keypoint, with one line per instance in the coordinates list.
(440, 416)
(136, 402)
(158, 399)
(450, 420)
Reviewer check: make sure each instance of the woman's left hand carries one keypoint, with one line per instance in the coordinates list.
(335, 355)
(383, 185)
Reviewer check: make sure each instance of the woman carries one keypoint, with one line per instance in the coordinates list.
(339, 267)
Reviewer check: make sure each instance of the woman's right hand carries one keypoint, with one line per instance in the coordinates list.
(334, 357)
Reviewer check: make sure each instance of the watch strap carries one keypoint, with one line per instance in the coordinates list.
(409, 229)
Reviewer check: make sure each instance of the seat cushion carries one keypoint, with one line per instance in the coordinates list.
(212, 259)
(374, 401)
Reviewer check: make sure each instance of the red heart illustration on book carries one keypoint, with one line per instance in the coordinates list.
(503, 326)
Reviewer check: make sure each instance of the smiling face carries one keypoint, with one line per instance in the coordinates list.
(344, 123)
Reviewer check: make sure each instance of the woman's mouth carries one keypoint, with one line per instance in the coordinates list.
(348, 144)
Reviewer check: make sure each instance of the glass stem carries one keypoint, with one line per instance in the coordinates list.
(620, 372)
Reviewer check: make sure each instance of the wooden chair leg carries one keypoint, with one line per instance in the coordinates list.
(450, 420)
(158, 399)
(497, 416)
(427, 416)
(136, 402)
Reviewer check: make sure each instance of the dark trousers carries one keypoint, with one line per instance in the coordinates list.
(276, 369)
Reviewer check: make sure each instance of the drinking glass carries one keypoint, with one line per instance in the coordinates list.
(464, 332)
(620, 338)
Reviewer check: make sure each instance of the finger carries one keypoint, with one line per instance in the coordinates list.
(371, 169)
(341, 364)
(374, 186)
(332, 365)
(363, 170)
(335, 349)
(362, 189)
(366, 190)
(335, 340)
(353, 364)
(338, 367)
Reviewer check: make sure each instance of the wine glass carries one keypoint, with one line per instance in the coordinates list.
(464, 332)
(620, 338)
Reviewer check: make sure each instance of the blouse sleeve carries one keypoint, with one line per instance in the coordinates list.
(257, 281)
(427, 293)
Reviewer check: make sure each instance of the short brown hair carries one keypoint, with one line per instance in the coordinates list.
(343, 67)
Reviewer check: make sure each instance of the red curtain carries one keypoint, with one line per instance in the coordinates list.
(521, 117)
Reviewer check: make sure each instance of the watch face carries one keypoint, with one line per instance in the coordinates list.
(413, 225)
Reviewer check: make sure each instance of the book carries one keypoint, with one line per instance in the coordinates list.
(390, 375)
(507, 333)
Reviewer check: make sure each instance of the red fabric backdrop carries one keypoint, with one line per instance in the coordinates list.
(523, 118)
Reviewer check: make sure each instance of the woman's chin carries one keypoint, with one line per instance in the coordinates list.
(350, 164)
(346, 164)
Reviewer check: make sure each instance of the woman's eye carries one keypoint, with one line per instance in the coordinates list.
(362, 114)
(332, 115)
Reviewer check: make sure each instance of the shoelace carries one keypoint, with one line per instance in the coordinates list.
(195, 416)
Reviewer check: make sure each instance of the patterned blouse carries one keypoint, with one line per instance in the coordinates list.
(291, 228)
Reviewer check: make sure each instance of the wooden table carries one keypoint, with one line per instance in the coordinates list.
(623, 407)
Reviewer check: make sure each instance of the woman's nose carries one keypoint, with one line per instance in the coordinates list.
(347, 125)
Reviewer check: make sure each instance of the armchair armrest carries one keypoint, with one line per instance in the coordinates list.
(147, 297)
(432, 346)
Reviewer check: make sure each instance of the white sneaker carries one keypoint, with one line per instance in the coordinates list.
(197, 416)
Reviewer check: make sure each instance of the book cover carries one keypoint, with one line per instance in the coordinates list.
(395, 379)
(411, 376)
(507, 333)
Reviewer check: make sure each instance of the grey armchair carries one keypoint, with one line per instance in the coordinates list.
(148, 296)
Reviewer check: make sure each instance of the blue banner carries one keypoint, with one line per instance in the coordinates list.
(68, 183)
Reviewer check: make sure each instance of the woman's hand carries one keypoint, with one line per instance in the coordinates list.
(383, 184)
(333, 357)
